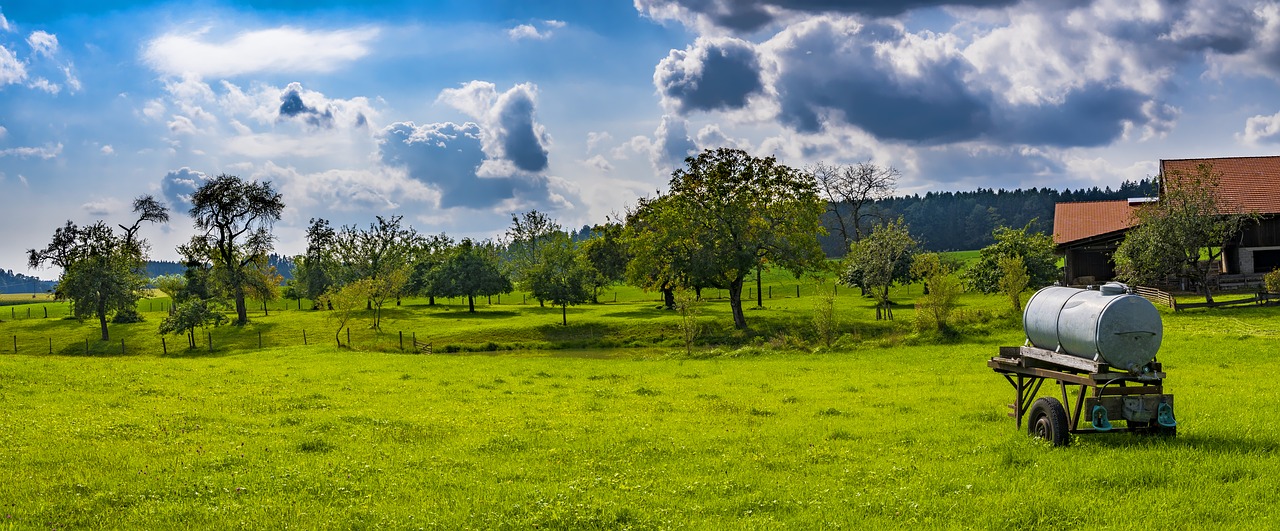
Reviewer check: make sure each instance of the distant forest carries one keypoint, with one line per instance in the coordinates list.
(940, 221)
(959, 221)
(11, 282)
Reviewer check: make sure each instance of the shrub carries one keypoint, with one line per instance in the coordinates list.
(1272, 281)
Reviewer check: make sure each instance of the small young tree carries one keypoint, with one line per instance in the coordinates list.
(345, 301)
(942, 290)
(186, 316)
(689, 306)
(607, 254)
(825, 320)
(1272, 281)
(879, 261)
(1035, 249)
(1013, 280)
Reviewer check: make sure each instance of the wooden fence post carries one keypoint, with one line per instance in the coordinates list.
(46, 311)
(121, 347)
(163, 346)
(402, 340)
(348, 336)
(304, 337)
(797, 291)
(15, 344)
(51, 345)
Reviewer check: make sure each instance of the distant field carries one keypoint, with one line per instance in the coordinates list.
(756, 431)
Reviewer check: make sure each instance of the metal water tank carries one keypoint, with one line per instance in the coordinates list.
(1107, 325)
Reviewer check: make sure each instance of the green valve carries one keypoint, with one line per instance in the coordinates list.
(1164, 415)
(1099, 418)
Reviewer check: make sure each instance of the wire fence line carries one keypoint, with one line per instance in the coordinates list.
(206, 340)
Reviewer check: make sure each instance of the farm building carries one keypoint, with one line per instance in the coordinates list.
(1088, 233)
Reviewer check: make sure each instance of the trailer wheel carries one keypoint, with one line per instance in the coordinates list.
(1049, 422)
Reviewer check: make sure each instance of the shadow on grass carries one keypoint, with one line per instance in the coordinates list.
(652, 312)
(1207, 443)
(478, 314)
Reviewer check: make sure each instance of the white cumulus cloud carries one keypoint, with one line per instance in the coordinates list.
(276, 50)
(43, 43)
(1262, 129)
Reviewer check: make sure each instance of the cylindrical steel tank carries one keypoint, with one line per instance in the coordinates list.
(1107, 325)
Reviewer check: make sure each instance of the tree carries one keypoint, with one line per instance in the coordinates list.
(263, 282)
(734, 212)
(103, 279)
(942, 289)
(1035, 249)
(236, 218)
(186, 316)
(471, 270)
(1190, 222)
(345, 300)
(171, 285)
(431, 252)
(529, 232)
(381, 254)
(102, 274)
(315, 271)
(825, 320)
(1013, 280)
(879, 261)
(689, 306)
(561, 275)
(851, 191)
(653, 236)
(607, 254)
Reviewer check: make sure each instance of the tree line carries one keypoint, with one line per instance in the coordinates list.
(726, 216)
(949, 221)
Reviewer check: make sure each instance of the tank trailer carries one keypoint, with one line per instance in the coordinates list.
(1102, 344)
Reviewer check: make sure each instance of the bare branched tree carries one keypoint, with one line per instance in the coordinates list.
(851, 191)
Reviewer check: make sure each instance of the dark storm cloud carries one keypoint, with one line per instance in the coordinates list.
(828, 73)
(751, 15)
(1091, 116)
(448, 156)
(712, 74)
(177, 186)
(292, 106)
(523, 141)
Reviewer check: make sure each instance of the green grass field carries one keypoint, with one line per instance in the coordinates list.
(607, 424)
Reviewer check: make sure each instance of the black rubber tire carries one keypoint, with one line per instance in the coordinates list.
(1048, 420)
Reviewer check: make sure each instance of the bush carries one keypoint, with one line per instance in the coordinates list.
(1272, 281)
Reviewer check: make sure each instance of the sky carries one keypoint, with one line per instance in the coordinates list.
(457, 114)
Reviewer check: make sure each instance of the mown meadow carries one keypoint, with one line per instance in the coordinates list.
(609, 423)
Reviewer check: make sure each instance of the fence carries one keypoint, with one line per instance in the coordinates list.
(1159, 297)
(225, 338)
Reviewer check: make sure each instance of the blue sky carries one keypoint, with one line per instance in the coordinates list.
(457, 114)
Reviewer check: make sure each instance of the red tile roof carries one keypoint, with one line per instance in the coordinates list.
(1085, 219)
(1248, 184)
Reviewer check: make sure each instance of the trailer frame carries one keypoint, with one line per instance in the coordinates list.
(1137, 397)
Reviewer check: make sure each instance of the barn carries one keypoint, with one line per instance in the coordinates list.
(1088, 233)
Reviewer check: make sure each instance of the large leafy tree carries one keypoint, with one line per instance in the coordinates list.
(660, 259)
(879, 261)
(562, 275)
(235, 217)
(471, 270)
(736, 212)
(103, 274)
(431, 252)
(606, 253)
(1183, 233)
(1034, 248)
